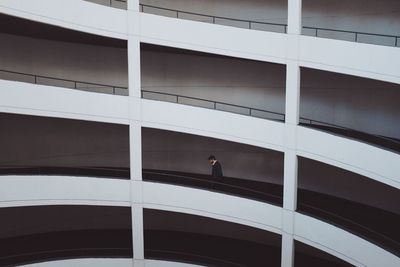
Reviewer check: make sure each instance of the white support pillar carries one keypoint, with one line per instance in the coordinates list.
(292, 105)
(133, 5)
(292, 116)
(290, 181)
(137, 232)
(135, 137)
(294, 16)
(289, 207)
(135, 133)
(287, 250)
(134, 75)
(135, 146)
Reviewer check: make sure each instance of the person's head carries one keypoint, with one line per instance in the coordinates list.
(211, 159)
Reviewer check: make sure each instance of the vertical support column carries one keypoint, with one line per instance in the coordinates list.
(135, 132)
(290, 181)
(287, 250)
(133, 5)
(135, 137)
(134, 75)
(294, 16)
(292, 105)
(292, 112)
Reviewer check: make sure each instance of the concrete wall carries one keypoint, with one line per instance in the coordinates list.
(39, 141)
(327, 179)
(234, 81)
(67, 60)
(255, 10)
(371, 16)
(167, 150)
(363, 104)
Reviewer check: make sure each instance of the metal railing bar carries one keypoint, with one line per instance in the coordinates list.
(63, 250)
(35, 76)
(212, 102)
(321, 123)
(347, 31)
(347, 220)
(213, 182)
(43, 169)
(213, 17)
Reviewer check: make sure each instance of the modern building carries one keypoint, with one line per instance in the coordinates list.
(110, 109)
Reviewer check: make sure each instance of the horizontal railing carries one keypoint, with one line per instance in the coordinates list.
(357, 36)
(61, 82)
(374, 139)
(237, 187)
(125, 250)
(211, 104)
(103, 172)
(122, 4)
(350, 224)
(217, 184)
(355, 226)
(337, 220)
(249, 24)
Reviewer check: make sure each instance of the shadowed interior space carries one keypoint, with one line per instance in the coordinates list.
(350, 201)
(246, 87)
(364, 21)
(358, 108)
(200, 240)
(33, 145)
(61, 57)
(307, 256)
(46, 233)
(182, 159)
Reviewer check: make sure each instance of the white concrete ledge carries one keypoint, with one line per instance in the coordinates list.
(370, 161)
(214, 205)
(358, 59)
(341, 243)
(63, 190)
(212, 38)
(212, 123)
(71, 14)
(40, 100)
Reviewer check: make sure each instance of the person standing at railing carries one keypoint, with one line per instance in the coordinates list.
(216, 169)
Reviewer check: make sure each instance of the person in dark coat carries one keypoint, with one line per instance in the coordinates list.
(216, 170)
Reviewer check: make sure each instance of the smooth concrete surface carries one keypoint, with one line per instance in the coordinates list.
(358, 157)
(40, 190)
(61, 102)
(213, 205)
(72, 14)
(217, 39)
(216, 124)
(272, 11)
